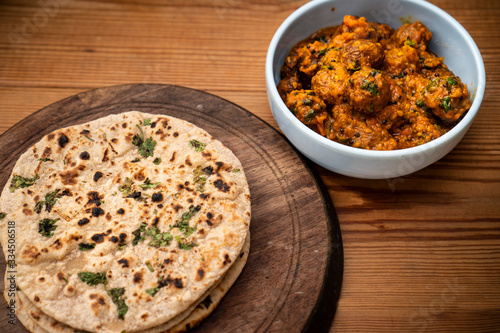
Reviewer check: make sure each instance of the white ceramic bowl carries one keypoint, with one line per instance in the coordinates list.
(449, 40)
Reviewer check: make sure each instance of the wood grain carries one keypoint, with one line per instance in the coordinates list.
(422, 252)
(276, 291)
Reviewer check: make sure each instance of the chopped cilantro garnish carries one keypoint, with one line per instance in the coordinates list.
(309, 116)
(18, 181)
(420, 103)
(49, 202)
(126, 187)
(356, 66)
(2, 215)
(445, 103)
(150, 267)
(137, 139)
(197, 145)
(183, 222)
(431, 84)
(139, 234)
(135, 160)
(89, 138)
(157, 161)
(45, 159)
(162, 282)
(86, 246)
(46, 227)
(93, 279)
(152, 291)
(450, 82)
(371, 87)
(146, 147)
(159, 238)
(199, 179)
(323, 52)
(147, 184)
(236, 170)
(183, 244)
(116, 294)
(410, 42)
(147, 122)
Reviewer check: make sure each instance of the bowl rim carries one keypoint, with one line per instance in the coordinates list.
(443, 140)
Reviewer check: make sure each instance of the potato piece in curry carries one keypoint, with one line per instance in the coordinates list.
(366, 85)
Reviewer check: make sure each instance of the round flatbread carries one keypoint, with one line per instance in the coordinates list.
(38, 322)
(125, 222)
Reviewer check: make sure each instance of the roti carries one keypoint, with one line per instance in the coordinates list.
(125, 222)
(37, 321)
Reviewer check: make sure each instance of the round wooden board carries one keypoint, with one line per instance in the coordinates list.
(292, 280)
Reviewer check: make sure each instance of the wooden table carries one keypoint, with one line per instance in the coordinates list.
(422, 252)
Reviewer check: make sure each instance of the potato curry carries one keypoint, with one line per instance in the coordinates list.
(366, 85)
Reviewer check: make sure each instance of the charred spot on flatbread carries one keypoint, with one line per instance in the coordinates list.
(97, 211)
(201, 274)
(99, 238)
(83, 221)
(70, 177)
(84, 155)
(63, 140)
(47, 152)
(98, 175)
(94, 199)
(138, 277)
(178, 283)
(221, 186)
(123, 262)
(227, 260)
(157, 197)
(155, 221)
(105, 157)
(30, 253)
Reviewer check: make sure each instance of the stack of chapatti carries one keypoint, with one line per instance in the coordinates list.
(130, 223)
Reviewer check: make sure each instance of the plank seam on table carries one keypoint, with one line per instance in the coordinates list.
(104, 86)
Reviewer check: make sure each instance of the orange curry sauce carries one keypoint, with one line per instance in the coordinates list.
(366, 85)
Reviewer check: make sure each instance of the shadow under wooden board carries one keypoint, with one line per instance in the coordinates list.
(293, 277)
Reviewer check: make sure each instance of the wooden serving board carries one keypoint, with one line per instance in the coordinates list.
(292, 280)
